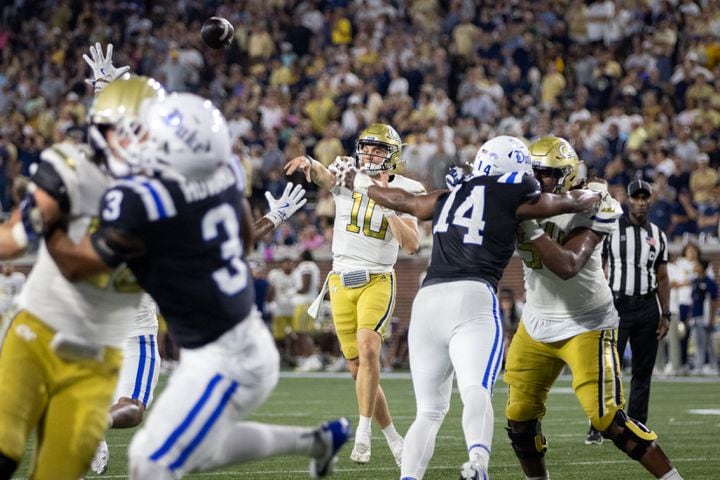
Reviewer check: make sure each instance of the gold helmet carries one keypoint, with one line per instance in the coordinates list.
(554, 156)
(383, 136)
(118, 107)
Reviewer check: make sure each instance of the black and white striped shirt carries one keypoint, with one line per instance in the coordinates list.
(634, 253)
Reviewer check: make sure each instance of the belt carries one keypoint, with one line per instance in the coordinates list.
(632, 302)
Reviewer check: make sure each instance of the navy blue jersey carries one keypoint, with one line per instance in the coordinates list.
(192, 262)
(474, 227)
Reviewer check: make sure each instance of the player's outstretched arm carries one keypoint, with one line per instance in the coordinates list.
(564, 260)
(549, 204)
(314, 171)
(23, 231)
(282, 208)
(76, 261)
(421, 207)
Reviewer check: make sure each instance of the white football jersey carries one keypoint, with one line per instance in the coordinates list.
(306, 268)
(362, 238)
(100, 309)
(284, 285)
(557, 309)
(146, 321)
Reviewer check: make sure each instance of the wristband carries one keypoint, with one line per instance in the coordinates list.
(275, 217)
(362, 182)
(19, 235)
(666, 315)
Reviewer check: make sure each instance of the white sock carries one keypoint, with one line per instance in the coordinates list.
(391, 435)
(672, 475)
(477, 422)
(246, 441)
(363, 429)
(420, 443)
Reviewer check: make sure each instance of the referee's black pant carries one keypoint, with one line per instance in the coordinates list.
(639, 317)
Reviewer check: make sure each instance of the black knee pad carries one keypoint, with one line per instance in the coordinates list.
(527, 439)
(7, 467)
(624, 429)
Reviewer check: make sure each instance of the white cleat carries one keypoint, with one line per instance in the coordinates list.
(99, 463)
(397, 450)
(473, 471)
(360, 453)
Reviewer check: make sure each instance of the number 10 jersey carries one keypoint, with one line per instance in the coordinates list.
(362, 238)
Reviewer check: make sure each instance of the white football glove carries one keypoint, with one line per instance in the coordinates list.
(103, 69)
(289, 202)
(532, 230)
(340, 168)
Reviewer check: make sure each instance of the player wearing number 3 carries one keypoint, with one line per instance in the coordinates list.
(455, 323)
(178, 218)
(362, 284)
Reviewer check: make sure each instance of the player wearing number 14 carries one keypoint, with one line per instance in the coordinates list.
(455, 323)
(362, 284)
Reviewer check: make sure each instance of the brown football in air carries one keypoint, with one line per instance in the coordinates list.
(217, 33)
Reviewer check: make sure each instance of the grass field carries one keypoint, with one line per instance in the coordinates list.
(684, 412)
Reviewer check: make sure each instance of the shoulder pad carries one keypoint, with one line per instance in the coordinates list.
(66, 154)
(511, 177)
(408, 184)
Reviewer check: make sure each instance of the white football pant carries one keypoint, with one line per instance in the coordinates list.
(213, 387)
(455, 326)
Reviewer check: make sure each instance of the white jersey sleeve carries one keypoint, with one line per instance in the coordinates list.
(284, 286)
(307, 268)
(102, 308)
(362, 238)
(557, 308)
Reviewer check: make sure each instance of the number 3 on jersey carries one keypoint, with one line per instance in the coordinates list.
(469, 215)
(234, 277)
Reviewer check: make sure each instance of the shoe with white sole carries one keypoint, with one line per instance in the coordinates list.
(473, 471)
(397, 450)
(99, 463)
(333, 434)
(360, 452)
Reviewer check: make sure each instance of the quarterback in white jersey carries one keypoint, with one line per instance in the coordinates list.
(569, 319)
(362, 284)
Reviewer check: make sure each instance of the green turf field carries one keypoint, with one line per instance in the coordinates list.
(689, 438)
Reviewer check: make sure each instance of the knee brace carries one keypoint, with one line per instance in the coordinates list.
(7, 467)
(527, 439)
(629, 435)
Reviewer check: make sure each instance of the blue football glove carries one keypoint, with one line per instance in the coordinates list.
(454, 177)
(32, 222)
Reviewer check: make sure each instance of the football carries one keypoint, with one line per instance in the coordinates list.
(217, 33)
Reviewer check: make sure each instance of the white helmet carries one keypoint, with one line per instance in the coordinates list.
(500, 155)
(188, 137)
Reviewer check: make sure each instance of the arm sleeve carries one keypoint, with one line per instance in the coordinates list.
(49, 179)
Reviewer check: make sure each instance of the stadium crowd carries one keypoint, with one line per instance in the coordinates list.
(632, 84)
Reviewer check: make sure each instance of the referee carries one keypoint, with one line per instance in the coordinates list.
(636, 257)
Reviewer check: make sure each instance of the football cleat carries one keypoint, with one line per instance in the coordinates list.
(473, 471)
(99, 463)
(397, 450)
(360, 452)
(333, 435)
(593, 437)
